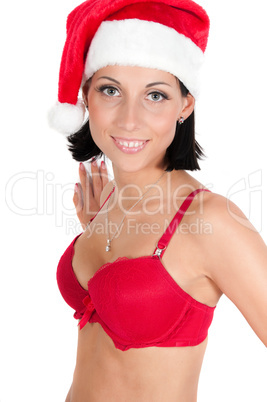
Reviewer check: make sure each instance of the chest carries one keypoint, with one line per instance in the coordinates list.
(135, 238)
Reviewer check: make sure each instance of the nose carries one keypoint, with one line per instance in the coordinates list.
(129, 115)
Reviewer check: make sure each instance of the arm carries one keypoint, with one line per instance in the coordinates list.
(237, 261)
(68, 398)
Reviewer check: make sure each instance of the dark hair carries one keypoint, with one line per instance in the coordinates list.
(182, 154)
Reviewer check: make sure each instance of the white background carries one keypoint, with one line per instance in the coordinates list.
(38, 221)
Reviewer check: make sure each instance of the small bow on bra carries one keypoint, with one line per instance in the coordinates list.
(88, 311)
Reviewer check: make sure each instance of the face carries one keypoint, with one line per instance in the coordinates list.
(133, 114)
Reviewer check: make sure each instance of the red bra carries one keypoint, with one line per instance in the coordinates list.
(136, 300)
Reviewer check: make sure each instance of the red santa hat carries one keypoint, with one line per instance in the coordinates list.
(169, 35)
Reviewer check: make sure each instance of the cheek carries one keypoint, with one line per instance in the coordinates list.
(99, 124)
(95, 115)
(165, 125)
(96, 131)
(95, 125)
(100, 114)
(98, 121)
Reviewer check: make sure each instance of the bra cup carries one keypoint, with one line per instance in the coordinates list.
(136, 301)
(128, 292)
(70, 289)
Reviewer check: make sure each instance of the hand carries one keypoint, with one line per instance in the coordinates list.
(87, 193)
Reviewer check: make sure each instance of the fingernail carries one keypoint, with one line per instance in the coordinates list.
(76, 188)
(103, 165)
(94, 162)
(82, 166)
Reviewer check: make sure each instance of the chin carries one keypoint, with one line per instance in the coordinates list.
(133, 166)
(129, 167)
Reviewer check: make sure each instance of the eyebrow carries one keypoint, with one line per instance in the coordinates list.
(147, 86)
(109, 78)
(157, 83)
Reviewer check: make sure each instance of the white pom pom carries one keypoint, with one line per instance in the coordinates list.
(67, 118)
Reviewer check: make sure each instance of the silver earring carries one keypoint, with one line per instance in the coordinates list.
(181, 120)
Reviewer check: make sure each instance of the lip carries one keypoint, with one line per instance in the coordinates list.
(128, 150)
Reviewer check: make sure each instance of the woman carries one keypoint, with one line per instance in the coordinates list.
(144, 277)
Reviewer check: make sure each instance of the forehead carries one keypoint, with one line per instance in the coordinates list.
(141, 75)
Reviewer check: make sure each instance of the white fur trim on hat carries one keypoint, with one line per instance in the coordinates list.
(67, 118)
(147, 44)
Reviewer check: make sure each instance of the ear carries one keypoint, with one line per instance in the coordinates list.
(188, 106)
(85, 90)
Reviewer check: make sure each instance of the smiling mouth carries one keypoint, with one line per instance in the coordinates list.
(133, 145)
(130, 143)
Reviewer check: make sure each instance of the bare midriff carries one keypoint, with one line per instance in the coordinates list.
(157, 374)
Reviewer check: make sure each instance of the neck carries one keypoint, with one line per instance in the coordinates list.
(132, 184)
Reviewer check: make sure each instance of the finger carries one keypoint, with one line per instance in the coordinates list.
(96, 181)
(90, 206)
(104, 174)
(85, 183)
(77, 200)
(83, 217)
(83, 177)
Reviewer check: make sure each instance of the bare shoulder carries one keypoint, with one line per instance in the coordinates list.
(230, 227)
(233, 239)
(224, 214)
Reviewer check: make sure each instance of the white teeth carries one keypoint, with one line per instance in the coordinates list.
(131, 144)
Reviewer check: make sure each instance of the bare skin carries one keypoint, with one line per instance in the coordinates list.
(204, 263)
(150, 374)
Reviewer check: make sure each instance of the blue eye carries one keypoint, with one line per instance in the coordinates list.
(109, 91)
(157, 96)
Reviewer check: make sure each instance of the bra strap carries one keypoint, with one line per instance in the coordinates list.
(112, 191)
(167, 235)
